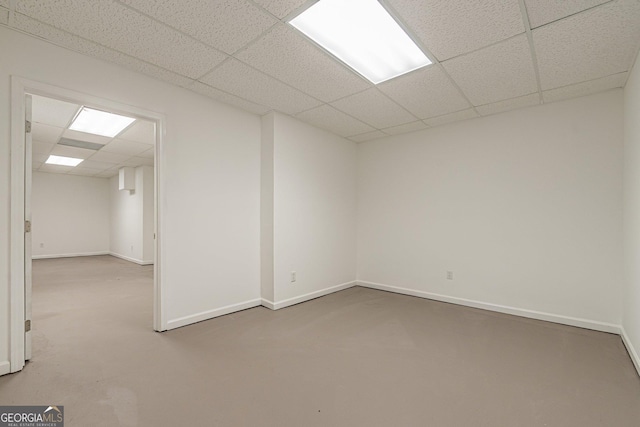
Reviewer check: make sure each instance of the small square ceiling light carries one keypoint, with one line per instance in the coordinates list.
(63, 161)
(363, 35)
(100, 122)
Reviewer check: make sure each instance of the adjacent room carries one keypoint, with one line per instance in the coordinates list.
(321, 213)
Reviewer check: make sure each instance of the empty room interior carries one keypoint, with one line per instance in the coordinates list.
(321, 213)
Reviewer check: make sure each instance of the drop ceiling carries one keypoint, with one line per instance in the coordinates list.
(134, 146)
(489, 56)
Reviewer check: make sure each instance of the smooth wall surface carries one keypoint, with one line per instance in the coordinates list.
(525, 208)
(70, 215)
(210, 172)
(631, 318)
(314, 209)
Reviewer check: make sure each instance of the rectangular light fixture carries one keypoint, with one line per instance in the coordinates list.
(362, 34)
(63, 161)
(100, 123)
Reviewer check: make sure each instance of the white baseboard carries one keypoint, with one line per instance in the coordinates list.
(306, 297)
(631, 349)
(130, 259)
(5, 368)
(69, 255)
(210, 314)
(531, 314)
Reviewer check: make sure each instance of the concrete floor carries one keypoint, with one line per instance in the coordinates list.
(359, 357)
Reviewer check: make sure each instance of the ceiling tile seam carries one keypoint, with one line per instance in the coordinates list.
(587, 81)
(398, 104)
(254, 40)
(12, 13)
(337, 109)
(297, 11)
(532, 50)
(190, 88)
(170, 27)
(263, 9)
(573, 14)
(484, 47)
(460, 91)
(102, 46)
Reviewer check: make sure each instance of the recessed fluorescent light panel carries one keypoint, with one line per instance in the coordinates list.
(63, 161)
(100, 122)
(362, 34)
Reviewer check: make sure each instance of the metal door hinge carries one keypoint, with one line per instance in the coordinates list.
(27, 126)
(27, 325)
(27, 226)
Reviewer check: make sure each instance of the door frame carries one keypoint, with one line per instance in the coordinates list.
(19, 88)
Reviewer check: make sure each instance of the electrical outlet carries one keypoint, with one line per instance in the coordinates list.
(449, 275)
(293, 276)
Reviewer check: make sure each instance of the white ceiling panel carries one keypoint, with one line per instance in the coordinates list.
(495, 73)
(285, 54)
(224, 24)
(108, 157)
(596, 43)
(585, 88)
(241, 80)
(509, 104)
(120, 146)
(119, 27)
(453, 117)
(4, 16)
(98, 166)
(138, 161)
(41, 148)
(281, 8)
(327, 117)
(227, 98)
(149, 154)
(83, 136)
(82, 171)
(408, 127)
(107, 173)
(35, 165)
(140, 131)
(54, 168)
(78, 153)
(369, 136)
(375, 109)
(5, 3)
(451, 28)
(39, 158)
(544, 11)
(52, 111)
(45, 133)
(425, 93)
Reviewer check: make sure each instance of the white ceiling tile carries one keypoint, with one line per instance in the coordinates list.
(82, 171)
(39, 157)
(5, 3)
(585, 88)
(78, 153)
(54, 168)
(498, 72)
(450, 28)
(45, 133)
(426, 93)
(453, 117)
(375, 109)
(544, 11)
(596, 43)
(4, 16)
(36, 165)
(107, 173)
(285, 54)
(224, 24)
(41, 148)
(227, 98)
(137, 161)
(509, 104)
(376, 134)
(120, 146)
(116, 26)
(281, 8)
(327, 117)
(52, 111)
(241, 80)
(142, 131)
(107, 157)
(406, 128)
(83, 136)
(98, 166)
(149, 154)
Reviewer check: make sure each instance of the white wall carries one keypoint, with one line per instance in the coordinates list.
(132, 218)
(70, 215)
(210, 172)
(631, 319)
(314, 211)
(524, 207)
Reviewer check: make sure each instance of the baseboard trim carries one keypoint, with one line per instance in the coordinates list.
(210, 314)
(306, 297)
(531, 314)
(70, 255)
(130, 259)
(630, 349)
(5, 368)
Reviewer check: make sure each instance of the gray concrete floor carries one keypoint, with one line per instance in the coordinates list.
(359, 357)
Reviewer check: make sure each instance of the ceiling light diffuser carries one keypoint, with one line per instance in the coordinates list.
(100, 122)
(362, 34)
(63, 161)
